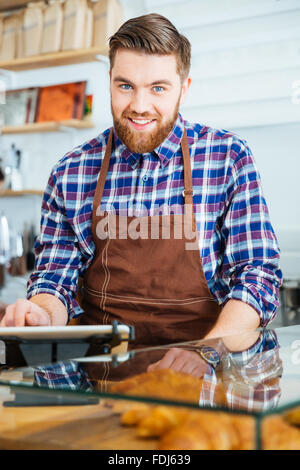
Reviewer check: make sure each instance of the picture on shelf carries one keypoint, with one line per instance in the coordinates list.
(88, 109)
(61, 102)
(19, 107)
(53, 103)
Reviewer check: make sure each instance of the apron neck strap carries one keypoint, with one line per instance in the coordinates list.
(103, 173)
(188, 181)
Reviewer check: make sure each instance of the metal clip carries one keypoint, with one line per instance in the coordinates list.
(187, 192)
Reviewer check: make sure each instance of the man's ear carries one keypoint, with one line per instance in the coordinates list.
(184, 89)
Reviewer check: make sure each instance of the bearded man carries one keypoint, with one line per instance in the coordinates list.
(121, 211)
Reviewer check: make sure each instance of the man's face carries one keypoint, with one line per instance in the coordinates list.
(146, 92)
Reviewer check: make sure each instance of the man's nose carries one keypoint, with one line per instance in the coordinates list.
(140, 103)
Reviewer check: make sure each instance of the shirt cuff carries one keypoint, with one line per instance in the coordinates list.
(42, 287)
(249, 294)
(63, 375)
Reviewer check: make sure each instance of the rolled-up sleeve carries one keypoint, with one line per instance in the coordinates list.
(250, 266)
(58, 258)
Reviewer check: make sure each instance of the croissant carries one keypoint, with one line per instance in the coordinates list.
(293, 416)
(185, 438)
(134, 414)
(184, 429)
(223, 431)
(216, 427)
(277, 434)
(219, 431)
(244, 430)
(187, 429)
(159, 421)
(161, 383)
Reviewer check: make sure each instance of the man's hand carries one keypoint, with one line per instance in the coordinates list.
(188, 362)
(25, 313)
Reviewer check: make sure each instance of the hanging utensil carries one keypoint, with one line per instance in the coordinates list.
(4, 248)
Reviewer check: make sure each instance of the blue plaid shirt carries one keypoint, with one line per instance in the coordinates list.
(238, 247)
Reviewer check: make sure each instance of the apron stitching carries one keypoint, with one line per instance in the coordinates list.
(103, 265)
(196, 299)
(168, 303)
(105, 283)
(101, 301)
(107, 280)
(125, 299)
(104, 377)
(92, 291)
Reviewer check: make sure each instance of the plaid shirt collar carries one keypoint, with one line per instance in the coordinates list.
(164, 152)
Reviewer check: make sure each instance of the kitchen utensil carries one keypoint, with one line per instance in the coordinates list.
(4, 247)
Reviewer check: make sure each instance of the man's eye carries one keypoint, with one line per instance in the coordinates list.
(125, 86)
(158, 89)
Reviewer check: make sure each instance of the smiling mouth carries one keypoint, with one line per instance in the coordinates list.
(141, 123)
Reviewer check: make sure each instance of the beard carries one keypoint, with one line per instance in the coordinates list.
(140, 141)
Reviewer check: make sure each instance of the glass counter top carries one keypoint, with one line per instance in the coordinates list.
(258, 378)
(259, 372)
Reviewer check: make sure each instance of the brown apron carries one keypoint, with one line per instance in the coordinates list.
(151, 282)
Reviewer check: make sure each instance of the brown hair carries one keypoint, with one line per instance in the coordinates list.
(152, 34)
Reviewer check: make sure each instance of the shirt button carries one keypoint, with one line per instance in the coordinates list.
(145, 178)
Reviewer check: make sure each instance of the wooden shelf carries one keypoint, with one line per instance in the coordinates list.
(46, 127)
(56, 59)
(25, 192)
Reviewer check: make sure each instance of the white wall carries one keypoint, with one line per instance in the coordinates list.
(276, 151)
(245, 60)
(245, 67)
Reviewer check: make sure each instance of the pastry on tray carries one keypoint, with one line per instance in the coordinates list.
(156, 421)
(210, 430)
(203, 430)
(165, 384)
(244, 427)
(185, 438)
(293, 416)
(185, 429)
(278, 434)
(230, 431)
(134, 413)
(179, 428)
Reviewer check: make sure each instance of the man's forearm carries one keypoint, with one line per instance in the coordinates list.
(235, 318)
(53, 306)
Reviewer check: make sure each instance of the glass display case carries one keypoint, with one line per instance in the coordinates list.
(239, 392)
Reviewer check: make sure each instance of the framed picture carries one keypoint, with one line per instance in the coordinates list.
(19, 107)
(61, 102)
